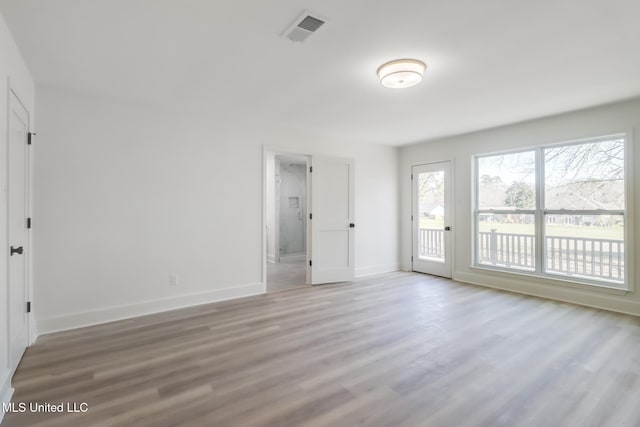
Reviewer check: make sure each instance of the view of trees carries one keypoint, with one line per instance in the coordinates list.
(587, 176)
(492, 191)
(430, 189)
(520, 195)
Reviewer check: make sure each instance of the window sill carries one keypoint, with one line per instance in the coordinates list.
(554, 281)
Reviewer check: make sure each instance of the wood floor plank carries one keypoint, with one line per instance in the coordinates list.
(399, 349)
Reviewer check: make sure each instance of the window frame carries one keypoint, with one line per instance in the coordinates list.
(540, 214)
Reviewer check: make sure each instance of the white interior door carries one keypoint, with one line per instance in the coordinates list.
(18, 234)
(431, 215)
(332, 221)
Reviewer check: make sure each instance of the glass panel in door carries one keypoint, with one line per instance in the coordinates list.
(431, 213)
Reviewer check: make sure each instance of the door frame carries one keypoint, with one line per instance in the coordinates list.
(450, 211)
(266, 150)
(276, 222)
(12, 92)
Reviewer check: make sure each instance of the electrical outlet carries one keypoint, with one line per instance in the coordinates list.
(173, 279)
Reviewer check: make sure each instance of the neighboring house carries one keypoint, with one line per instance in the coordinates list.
(432, 210)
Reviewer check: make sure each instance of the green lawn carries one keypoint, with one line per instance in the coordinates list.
(612, 233)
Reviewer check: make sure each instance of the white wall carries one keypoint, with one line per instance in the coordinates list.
(13, 72)
(127, 195)
(615, 118)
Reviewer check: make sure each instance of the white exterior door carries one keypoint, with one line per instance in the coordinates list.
(332, 221)
(431, 196)
(18, 233)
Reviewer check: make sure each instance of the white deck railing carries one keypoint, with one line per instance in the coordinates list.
(571, 256)
(599, 258)
(431, 243)
(507, 249)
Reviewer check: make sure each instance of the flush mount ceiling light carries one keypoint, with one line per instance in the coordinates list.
(401, 73)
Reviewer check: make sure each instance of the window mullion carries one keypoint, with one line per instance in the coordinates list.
(539, 215)
(476, 216)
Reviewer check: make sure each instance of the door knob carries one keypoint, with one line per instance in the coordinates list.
(17, 250)
(447, 228)
(352, 225)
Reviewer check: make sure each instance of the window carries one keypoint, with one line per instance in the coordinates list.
(554, 211)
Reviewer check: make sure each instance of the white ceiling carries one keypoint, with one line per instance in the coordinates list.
(491, 62)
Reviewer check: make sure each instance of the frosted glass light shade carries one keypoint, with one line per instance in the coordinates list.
(401, 73)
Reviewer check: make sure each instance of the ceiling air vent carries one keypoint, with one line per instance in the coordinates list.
(304, 26)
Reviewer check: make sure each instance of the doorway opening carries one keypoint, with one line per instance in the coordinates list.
(286, 220)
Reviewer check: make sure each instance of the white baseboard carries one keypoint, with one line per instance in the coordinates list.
(593, 299)
(405, 267)
(126, 311)
(375, 269)
(6, 392)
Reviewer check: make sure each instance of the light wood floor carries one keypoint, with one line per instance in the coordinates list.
(395, 350)
(290, 272)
